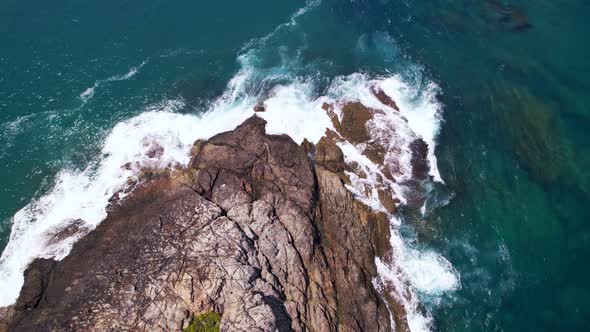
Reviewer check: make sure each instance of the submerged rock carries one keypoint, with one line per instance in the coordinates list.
(252, 230)
(510, 15)
(534, 132)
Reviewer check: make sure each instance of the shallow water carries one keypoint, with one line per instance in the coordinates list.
(513, 149)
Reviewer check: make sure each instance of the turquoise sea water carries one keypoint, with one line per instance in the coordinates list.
(514, 148)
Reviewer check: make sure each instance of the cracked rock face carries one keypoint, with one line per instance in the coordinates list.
(252, 229)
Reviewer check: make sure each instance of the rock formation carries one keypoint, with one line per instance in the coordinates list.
(253, 229)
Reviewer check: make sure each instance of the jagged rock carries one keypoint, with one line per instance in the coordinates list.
(259, 107)
(329, 108)
(384, 98)
(251, 229)
(387, 200)
(6, 317)
(354, 122)
(155, 150)
(333, 135)
(32, 292)
(329, 155)
(375, 152)
(76, 228)
(420, 165)
(308, 147)
(197, 145)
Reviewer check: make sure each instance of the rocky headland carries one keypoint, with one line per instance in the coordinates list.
(257, 232)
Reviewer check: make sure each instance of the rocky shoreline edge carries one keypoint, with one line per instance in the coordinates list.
(257, 229)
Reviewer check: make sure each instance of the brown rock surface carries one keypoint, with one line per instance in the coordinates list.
(387, 200)
(259, 107)
(354, 122)
(251, 229)
(384, 98)
(420, 166)
(329, 155)
(329, 108)
(375, 152)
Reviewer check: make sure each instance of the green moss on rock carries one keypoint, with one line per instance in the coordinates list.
(205, 322)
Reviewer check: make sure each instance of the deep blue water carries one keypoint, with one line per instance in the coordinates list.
(514, 148)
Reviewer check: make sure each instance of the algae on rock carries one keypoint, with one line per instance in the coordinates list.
(205, 322)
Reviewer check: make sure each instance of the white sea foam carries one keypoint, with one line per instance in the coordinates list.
(309, 5)
(411, 273)
(388, 127)
(292, 111)
(83, 195)
(89, 93)
(430, 272)
(414, 273)
(422, 111)
(394, 280)
(15, 126)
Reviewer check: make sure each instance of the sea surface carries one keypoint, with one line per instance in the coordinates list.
(502, 89)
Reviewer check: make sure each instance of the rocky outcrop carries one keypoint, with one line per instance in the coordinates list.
(259, 107)
(329, 155)
(384, 98)
(354, 122)
(252, 229)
